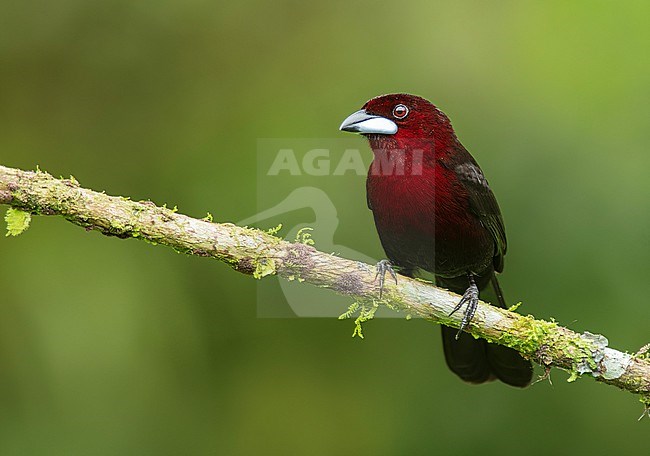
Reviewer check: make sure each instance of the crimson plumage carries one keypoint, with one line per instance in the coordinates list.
(434, 211)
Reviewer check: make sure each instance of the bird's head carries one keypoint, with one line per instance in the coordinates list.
(400, 121)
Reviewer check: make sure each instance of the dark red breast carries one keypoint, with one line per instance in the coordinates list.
(423, 219)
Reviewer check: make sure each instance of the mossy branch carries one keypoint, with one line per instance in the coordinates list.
(260, 254)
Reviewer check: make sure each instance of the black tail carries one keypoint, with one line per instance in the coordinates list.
(476, 360)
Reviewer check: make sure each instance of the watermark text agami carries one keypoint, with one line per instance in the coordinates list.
(322, 162)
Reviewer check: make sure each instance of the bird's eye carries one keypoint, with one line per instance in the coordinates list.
(400, 111)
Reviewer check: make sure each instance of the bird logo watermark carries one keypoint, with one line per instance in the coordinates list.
(303, 185)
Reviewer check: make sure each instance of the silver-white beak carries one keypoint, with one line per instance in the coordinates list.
(364, 123)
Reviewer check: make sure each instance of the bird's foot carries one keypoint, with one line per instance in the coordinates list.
(383, 267)
(471, 299)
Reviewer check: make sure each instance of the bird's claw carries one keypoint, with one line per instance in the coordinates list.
(383, 267)
(471, 299)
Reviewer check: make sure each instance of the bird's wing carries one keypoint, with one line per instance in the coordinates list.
(484, 205)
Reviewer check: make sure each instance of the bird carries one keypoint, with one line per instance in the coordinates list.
(435, 212)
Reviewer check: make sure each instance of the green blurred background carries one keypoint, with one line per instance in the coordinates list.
(114, 347)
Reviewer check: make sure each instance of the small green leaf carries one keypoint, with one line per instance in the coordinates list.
(264, 267)
(304, 236)
(358, 331)
(17, 221)
(352, 308)
(274, 231)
